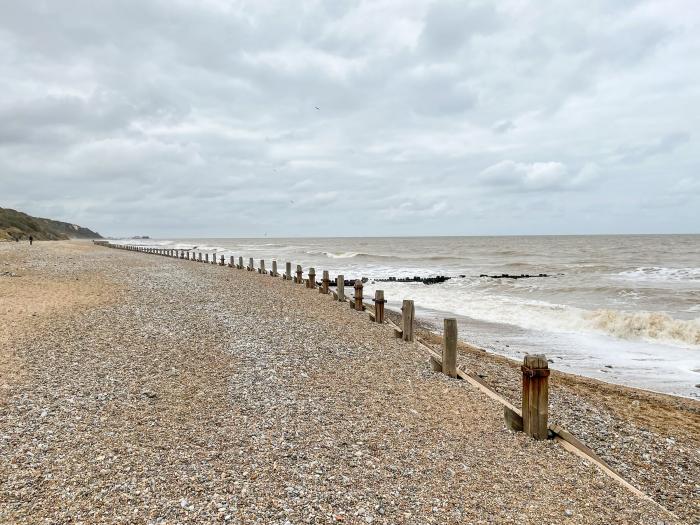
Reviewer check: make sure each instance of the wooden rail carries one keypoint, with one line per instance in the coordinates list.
(532, 417)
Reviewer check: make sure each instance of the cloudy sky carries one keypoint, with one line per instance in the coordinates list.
(381, 117)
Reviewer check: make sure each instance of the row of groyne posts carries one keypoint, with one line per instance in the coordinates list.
(533, 419)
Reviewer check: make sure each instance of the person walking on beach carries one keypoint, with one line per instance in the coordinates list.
(31, 240)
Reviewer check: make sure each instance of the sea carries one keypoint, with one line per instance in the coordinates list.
(624, 309)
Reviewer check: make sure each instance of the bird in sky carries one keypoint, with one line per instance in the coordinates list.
(319, 109)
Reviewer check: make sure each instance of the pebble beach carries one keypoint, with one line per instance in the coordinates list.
(143, 389)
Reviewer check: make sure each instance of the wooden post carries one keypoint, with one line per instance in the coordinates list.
(379, 306)
(222, 261)
(311, 283)
(206, 258)
(300, 280)
(325, 282)
(288, 271)
(535, 395)
(274, 268)
(230, 262)
(340, 287)
(262, 267)
(240, 263)
(449, 348)
(199, 257)
(408, 312)
(358, 296)
(251, 265)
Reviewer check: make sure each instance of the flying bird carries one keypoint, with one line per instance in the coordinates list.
(317, 108)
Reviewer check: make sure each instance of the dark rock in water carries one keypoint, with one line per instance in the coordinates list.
(346, 282)
(417, 279)
(509, 276)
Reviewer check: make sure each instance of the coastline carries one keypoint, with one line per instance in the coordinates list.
(613, 316)
(357, 356)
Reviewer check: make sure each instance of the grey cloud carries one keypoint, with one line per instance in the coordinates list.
(663, 145)
(154, 117)
(449, 25)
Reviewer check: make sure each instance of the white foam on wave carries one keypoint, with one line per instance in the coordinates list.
(465, 299)
(343, 255)
(661, 274)
(655, 326)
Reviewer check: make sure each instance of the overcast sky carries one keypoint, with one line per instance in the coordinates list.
(383, 117)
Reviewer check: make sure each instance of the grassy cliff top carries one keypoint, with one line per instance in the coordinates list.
(15, 224)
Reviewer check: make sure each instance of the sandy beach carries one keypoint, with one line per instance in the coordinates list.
(143, 389)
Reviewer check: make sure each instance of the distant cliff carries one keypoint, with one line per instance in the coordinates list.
(15, 224)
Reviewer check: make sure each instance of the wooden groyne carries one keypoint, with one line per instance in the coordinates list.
(531, 417)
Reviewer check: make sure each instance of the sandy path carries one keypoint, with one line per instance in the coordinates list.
(185, 393)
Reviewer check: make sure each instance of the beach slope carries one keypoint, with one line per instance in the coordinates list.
(145, 389)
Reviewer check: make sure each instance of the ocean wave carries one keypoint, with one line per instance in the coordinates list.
(645, 325)
(661, 274)
(461, 297)
(381, 256)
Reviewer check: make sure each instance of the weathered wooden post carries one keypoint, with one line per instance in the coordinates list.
(358, 296)
(300, 279)
(288, 271)
(379, 306)
(325, 282)
(206, 258)
(535, 395)
(449, 348)
(240, 263)
(408, 312)
(262, 266)
(222, 263)
(340, 287)
(311, 282)
(199, 257)
(273, 273)
(230, 262)
(251, 265)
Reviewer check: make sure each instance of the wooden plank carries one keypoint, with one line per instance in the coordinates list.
(449, 348)
(535, 397)
(408, 313)
(340, 288)
(358, 295)
(379, 306)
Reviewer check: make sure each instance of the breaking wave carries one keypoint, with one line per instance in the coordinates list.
(661, 274)
(645, 325)
(381, 256)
